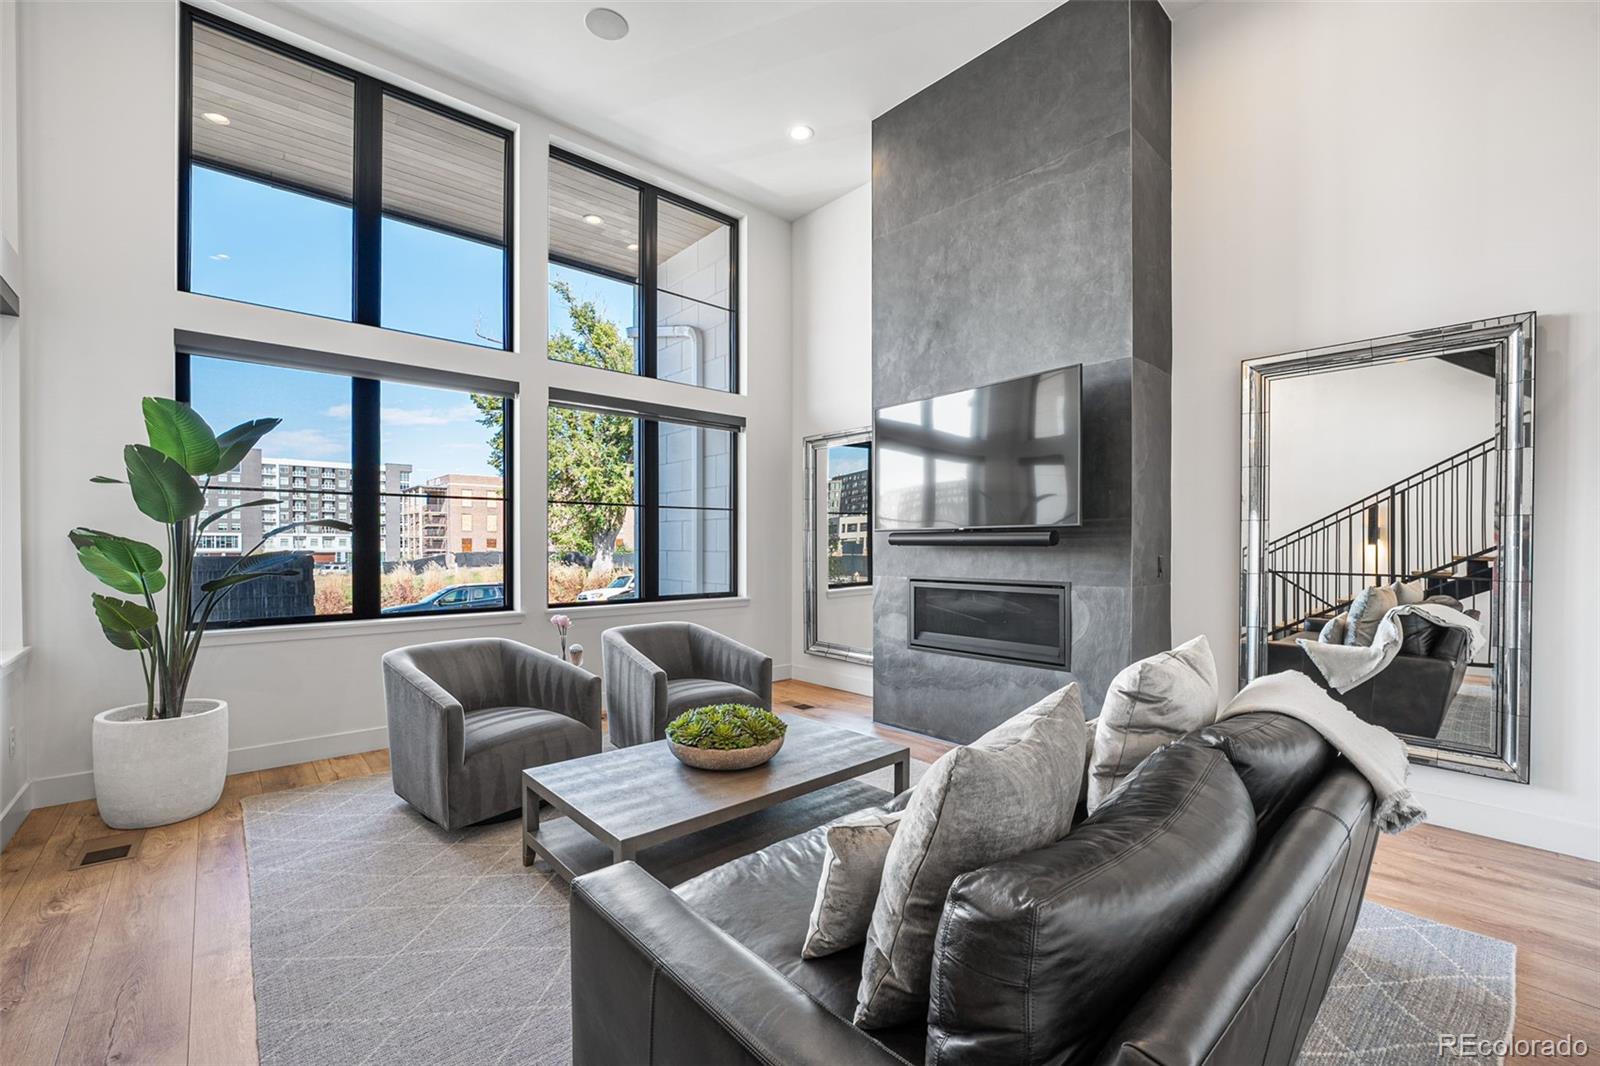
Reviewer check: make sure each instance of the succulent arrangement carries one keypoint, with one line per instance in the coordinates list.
(725, 727)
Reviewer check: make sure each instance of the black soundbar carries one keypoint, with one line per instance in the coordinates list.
(987, 538)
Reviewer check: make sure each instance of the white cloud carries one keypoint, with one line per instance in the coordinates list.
(304, 444)
(338, 410)
(429, 416)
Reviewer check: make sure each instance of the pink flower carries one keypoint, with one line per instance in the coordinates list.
(561, 622)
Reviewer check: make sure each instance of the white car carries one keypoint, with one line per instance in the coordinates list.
(620, 587)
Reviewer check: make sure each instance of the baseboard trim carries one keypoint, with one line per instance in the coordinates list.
(1562, 835)
(850, 678)
(70, 788)
(16, 812)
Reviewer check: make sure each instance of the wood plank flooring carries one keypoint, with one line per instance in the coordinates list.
(147, 960)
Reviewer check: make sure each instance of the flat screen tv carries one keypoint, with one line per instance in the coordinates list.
(998, 457)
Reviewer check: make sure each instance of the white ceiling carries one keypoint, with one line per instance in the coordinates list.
(706, 89)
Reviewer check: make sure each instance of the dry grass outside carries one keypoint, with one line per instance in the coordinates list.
(335, 592)
(567, 580)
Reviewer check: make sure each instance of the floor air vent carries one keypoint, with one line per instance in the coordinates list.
(108, 849)
(802, 706)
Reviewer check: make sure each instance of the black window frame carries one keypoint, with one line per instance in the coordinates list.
(366, 297)
(647, 482)
(366, 498)
(645, 300)
(868, 583)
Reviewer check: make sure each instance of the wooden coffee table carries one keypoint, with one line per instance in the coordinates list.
(621, 801)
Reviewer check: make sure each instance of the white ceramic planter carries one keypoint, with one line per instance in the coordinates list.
(160, 771)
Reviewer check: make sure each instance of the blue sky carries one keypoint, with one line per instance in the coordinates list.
(264, 245)
(846, 459)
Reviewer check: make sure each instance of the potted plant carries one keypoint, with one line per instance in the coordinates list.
(165, 759)
(725, 736)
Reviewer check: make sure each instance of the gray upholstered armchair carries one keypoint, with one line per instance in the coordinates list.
(655, 672)
(466, 717)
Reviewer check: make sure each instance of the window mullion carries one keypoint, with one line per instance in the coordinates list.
(647, 280)
(368, 230)
(649, 556)
(366, 556)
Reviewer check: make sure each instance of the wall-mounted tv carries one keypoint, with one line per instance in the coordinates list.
(1002, 456)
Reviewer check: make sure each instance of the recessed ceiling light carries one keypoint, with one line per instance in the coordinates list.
(606, 24)
(594, 220)
(217, 118)
(801, 133)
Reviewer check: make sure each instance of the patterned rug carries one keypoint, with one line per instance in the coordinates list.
(377, 937)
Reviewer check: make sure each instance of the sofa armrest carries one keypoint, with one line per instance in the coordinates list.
(725, 659)
(635, 691)
(539, 679)
(652, 981)
(426, 730)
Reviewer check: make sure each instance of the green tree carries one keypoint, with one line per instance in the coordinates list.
(591, 455)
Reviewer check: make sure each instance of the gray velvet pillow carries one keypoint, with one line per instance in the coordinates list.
(1334, 631)
(1409, 592)
(852, 868)
(1370, 605)
(1149, 704)
(1011, 790)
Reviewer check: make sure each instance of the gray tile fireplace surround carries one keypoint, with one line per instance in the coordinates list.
(1021, 221)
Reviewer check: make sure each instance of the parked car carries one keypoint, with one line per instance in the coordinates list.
(455, 598)
(621, 587)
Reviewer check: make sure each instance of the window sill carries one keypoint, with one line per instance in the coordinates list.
(12, 658)
(607, 610)
(856, 590)
(222, 638)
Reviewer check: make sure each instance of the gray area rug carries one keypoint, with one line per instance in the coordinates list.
(377, 937)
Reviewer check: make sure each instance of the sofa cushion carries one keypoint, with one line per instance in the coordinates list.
(1367, 610)
(1278, 759)
(852, 867)
(763, 900)
(1011, 790)
(1151, 703)
(685, 694)
(1418, 635)
(540, 736)
(1334, 629)
(1040, 954)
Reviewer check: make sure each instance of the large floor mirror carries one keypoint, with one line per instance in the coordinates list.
(838, 545)
(1388, 506)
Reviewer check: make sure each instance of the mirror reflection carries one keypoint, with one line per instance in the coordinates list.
(838, 557)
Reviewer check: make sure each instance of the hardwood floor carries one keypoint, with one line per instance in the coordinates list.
(147, 960)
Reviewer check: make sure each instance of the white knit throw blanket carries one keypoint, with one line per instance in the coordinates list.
(1347, 665)
(1377, 753)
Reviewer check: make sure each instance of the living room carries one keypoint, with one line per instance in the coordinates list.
(701, 524)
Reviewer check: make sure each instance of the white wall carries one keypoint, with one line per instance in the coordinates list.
(832, 384)
(97, 335)
(1343, 171)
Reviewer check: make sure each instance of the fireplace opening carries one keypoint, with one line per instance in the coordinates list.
(990, 620)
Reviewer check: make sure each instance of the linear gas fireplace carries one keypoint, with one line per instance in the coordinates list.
(990, 620)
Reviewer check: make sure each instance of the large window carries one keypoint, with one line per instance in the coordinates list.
(640, 508)
(408, 467)
(641, 282)
(313, 188)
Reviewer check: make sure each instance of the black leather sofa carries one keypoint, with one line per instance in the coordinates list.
(1196, 917)
(1412, 694)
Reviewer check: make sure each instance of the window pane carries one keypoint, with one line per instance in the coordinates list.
(593, 320)
(272, 141)
(444, 226)
(849, 538)
(593, 506)
(594, 221)
(312, 442)
(692, 342)
(694, 478)
(694, 325)
(263, 244)
(693, 553)
(443, 467)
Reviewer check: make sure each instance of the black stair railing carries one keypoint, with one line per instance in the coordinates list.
(1437, 523)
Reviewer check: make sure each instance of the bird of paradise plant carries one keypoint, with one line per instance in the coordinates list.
(169, 479)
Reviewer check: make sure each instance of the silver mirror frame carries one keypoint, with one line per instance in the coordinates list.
(1511, 604)
(811, 448)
